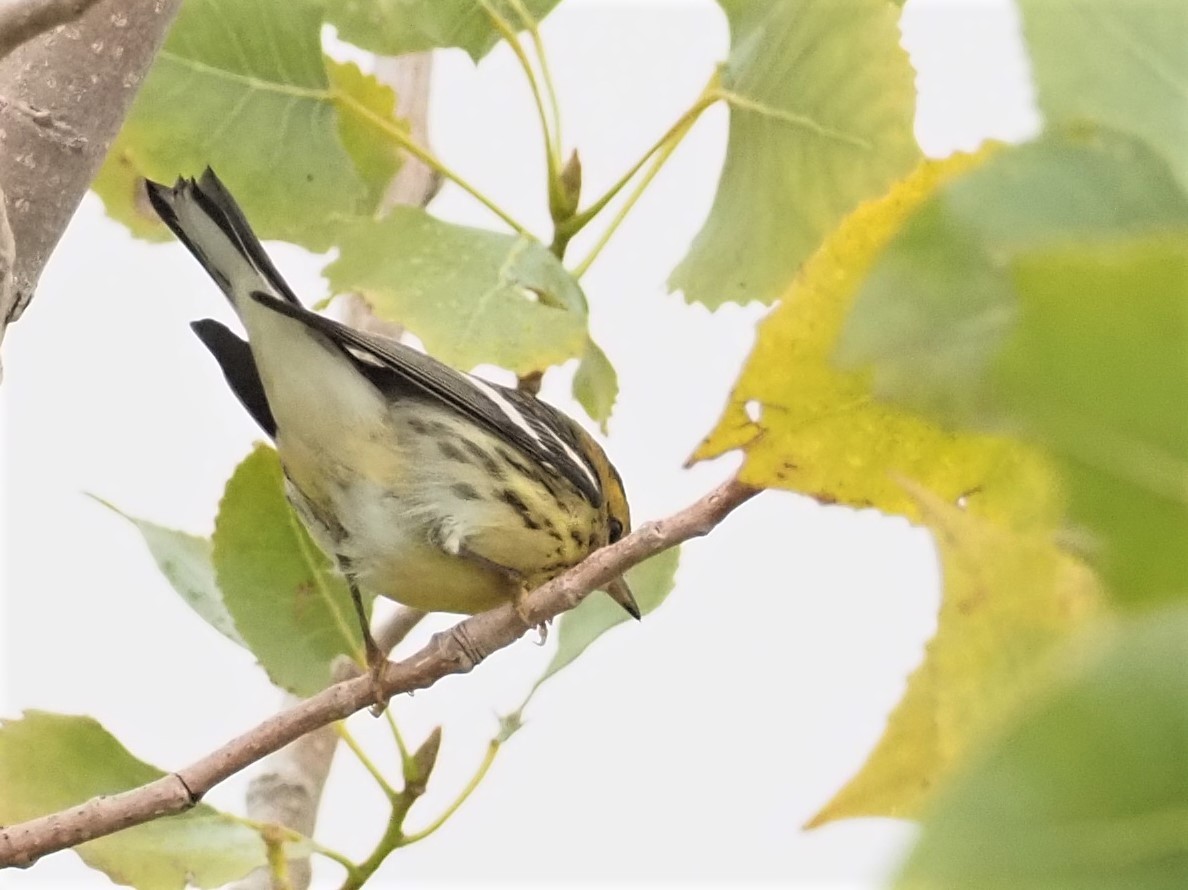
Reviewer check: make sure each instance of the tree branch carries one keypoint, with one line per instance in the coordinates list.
(288, 788)
(63, 96)
(455, 651)
(22, 20)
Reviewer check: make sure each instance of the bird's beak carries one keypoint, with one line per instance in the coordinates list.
(621, 594)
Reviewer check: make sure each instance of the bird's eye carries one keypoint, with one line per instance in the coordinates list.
(616, 530)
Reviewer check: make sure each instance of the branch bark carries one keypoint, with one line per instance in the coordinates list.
(63, 97)
(287, 787)
(455, 651)
(22, 20)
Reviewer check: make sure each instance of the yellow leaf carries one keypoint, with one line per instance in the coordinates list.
(811, 427)
(120, 186)
(1009, 597)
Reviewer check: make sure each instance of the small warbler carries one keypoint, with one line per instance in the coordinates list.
(432, 487)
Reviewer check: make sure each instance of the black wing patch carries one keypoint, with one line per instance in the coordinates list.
(543, 433)
(239, 367)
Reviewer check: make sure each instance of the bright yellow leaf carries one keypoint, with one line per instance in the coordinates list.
(1009, 598)
(811, 427)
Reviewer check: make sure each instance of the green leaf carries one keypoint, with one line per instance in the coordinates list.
(1119, 64)
(822, 102)
(650, 581)
(596, 385)
(290, 605)
(936, 306)
(361, 100)
(1087, 791)
(49, 762)
(395, 27)
(471, 295)
(186, 561)
(242, 86)
(1097, 371)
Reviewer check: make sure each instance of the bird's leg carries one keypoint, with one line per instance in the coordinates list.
(376, 660)
(521, 588)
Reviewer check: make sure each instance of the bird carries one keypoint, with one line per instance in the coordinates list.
(432, 487)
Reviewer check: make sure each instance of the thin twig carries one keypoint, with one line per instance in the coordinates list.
(475, 780)
(22, 20)
(455, 651)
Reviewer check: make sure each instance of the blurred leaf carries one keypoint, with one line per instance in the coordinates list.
(822, 102)
(360, 100)
(936, 306)
(120, 185)
(185, 560)
(242, 87)
(596, 385)
(471, 295)
(651, 581)
(288, 602)
(396, 27)
(1097, 371)
(1087, 791)
(49, 762)
(1119, 64)
(1009, 599)
(818, 430)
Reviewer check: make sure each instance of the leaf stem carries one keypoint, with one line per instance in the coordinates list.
(293, 836)
(488, 759)
(504, 27)
(532, 26)
(405, 756)
(665, 144)
(356, 749)
(333, 856)
(418, 151)
(392, 838)
(278, 866)
(665, 152)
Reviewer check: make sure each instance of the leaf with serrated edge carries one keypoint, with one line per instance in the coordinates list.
(49, 762)
(241, 85)
(289, 604)
(396, 27)
(472, 296)
(822, 103)
(1086, 789)
(1119, 64)
(1009, 599)
(185, 561)
(596, 385)
(811, 427)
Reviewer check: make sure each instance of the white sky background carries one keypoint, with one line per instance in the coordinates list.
(690, 747)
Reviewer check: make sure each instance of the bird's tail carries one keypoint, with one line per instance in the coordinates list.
(207, 220)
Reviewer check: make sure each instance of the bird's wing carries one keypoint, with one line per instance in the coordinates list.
(543, 434)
